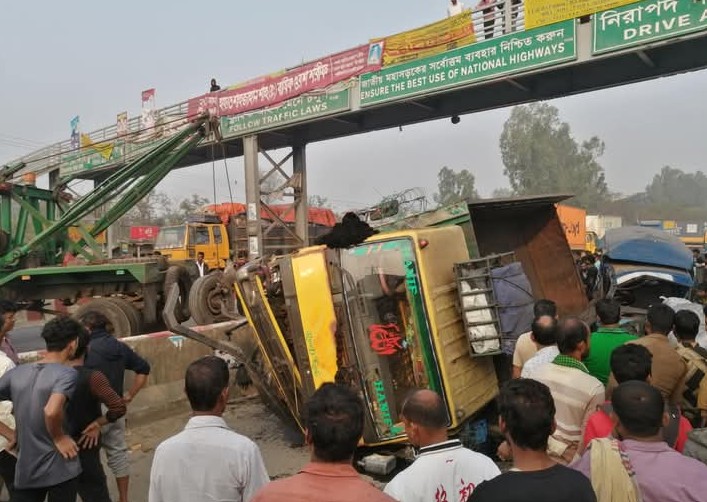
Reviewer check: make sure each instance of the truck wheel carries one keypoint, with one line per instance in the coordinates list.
(131, 311)
(179, 275)
(118, 320)
(206, 298)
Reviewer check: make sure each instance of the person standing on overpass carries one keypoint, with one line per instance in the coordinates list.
(454, 8)
(111, 357)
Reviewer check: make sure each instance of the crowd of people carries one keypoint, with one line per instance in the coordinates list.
(588, 415)
(56, 414)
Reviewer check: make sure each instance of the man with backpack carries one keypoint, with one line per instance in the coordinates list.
(694, 402)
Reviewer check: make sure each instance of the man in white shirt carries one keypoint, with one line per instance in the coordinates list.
(443, 469)
(201, 265)
(544, 334)
(525, 347)
(207, 460)
(455, 7)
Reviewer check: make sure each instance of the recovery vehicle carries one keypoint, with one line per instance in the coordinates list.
(39, 261)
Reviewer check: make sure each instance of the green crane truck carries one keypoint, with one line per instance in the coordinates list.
(35, 244)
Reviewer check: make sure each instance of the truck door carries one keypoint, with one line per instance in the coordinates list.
(200, 241)
(220, 249)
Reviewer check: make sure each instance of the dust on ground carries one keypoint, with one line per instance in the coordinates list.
(247, 416)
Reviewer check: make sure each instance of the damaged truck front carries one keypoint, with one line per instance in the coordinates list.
(381, 317)
(408, 309)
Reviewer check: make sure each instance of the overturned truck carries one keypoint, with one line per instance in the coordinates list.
(392, 314)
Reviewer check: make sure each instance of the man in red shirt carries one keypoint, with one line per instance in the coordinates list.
(633, 362)
(335, 417)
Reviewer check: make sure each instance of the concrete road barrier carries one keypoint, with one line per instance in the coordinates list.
(168, 355)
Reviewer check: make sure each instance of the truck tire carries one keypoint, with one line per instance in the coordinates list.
(206, 297)
(118, 320)
(131, 311)
(177, 274)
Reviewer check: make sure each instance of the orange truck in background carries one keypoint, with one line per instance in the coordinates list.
(573, 221)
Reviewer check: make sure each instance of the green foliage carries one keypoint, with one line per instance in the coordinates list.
(453, 187)
(673, 195)
(541, 157)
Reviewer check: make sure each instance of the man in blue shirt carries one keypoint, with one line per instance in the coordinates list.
(112, 357)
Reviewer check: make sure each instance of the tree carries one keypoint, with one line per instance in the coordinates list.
(675, 194)
(501, 193)
(192, 205)
(318, 201)
(454, 187)
(541, 156)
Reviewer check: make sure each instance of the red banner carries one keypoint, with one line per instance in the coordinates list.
(143, 233)
(276, 89)
(147, 95)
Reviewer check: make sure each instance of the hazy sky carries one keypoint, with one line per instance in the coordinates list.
(59, 59)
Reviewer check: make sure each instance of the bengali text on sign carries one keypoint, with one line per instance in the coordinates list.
(544, 12)
(444, 35)
(646, 22)
(294, 110)
(513, 53)
(274, 90)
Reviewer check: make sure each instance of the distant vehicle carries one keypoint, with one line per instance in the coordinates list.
(220, 233)
(642, 264)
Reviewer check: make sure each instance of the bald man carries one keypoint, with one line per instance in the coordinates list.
(543, 332)
(443, 469)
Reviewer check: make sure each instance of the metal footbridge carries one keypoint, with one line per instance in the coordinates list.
(507, 63)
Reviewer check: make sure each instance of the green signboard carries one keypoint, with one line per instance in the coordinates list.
(291, 111)
(512, 53)
(646, 22)
(88, 159)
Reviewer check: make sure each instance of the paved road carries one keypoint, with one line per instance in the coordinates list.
(27, 338)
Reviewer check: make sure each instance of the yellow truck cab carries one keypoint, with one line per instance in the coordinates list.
(184, 242)
(381, 317)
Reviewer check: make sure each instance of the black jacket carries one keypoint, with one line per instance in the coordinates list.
(111, 357)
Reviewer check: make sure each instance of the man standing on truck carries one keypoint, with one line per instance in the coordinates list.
(201, 265)
(111, 357)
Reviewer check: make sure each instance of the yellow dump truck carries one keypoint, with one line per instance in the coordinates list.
(381, 317)
(404, 310)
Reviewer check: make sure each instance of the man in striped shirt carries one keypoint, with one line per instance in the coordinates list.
(577, 394)
(85, 420)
